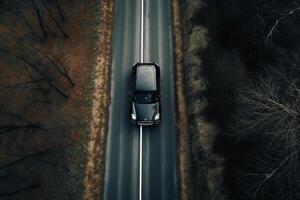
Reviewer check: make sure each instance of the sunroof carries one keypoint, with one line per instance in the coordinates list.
(145, 79)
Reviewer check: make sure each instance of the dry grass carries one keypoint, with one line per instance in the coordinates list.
(184, 150)
(94, 175)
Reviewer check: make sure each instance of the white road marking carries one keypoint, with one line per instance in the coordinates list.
(142, 30)
(141, 163)
(141, 128)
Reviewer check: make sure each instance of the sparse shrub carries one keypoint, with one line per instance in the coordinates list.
(196, 86)
(198, 40)
(192, 60)
(197, 106)
(207, 167)
(192, 9)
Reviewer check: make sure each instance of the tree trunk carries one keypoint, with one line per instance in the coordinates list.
(40, 19)
(62, 17)
(54, 19)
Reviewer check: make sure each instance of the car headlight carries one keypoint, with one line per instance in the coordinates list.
(156, 116)
(133, 116)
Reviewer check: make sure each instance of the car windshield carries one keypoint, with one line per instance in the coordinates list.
(144, 97)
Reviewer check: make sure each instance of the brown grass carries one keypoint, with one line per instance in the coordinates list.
(94, 175)
(184, 149)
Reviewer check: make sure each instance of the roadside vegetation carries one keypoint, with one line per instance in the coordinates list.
(46, 59)
(206, 170)
(242, 74)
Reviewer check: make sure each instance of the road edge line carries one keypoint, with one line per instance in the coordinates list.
(141, 128)
(142, 31)
(141, 164)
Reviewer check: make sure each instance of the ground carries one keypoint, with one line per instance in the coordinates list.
(48, 162)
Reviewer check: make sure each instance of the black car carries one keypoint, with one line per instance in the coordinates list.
(145, 94)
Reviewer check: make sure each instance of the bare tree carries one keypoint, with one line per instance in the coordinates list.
(271, 176)
(33, 82)
(57, 64)
(62, 17)
(269, 108)
(283, 16)
(30, 156)
(54, 19)
(266, 125)
(15, 11)
(40, 19)
(18, 122)
(23, 189)
(37, 69)
(271, 16)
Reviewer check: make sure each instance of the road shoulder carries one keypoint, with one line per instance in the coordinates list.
(182, 126)
(95, 167)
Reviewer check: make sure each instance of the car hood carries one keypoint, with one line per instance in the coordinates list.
(145, 112)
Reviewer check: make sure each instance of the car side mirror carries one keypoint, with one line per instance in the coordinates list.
(130, 94)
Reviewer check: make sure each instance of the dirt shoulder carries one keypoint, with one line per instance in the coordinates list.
(94, 174)
(183, 136)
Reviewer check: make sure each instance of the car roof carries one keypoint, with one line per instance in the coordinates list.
(146, 78)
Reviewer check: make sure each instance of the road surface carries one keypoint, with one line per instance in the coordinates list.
(159, 142)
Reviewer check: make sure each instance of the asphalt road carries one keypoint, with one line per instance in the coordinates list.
(159, 142)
